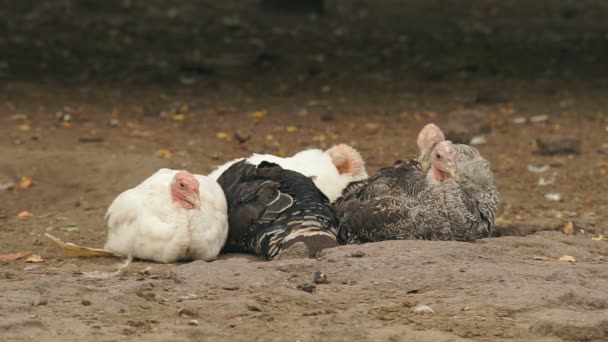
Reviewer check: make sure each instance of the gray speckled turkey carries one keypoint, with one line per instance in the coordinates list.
(446, 194)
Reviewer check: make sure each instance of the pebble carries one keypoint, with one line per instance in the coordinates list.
(555, 197)
(85, 302)
(464, 125)
(113, 123)
(422, 309)
(320, 278)
(357, 254)
(187, 313)
(556, 144)
(193, 322)
(310, 288)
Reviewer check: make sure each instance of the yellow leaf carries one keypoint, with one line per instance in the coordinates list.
(72, 250)
(18, 117)
(15, 256)
(567, 258)
(66, 124)
(24, 213)
(259, 114)
(24, 127)
(34, 258)
(318, 138)
(291, 129)
(224, 136)
(568, 228)
(281, 153)
(26, 182)
(163, 153)
(178, 117)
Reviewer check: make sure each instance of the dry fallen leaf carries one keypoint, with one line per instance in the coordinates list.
(34, 258)
(72, 250)
(291, 129)
(568, 228)
(567, 258)
(24, 213)
(259, 114)
(26, 182)
(15, 256)
(163, 153)
(178, 117)
(319, 138)
(600, 238)
(66, 124)
(224, 136)
(18, 117)
(24, 127)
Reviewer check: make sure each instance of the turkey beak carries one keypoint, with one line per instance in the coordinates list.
(195, 200)
(451, 169)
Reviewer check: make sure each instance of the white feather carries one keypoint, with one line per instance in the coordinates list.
(313, 163)
(143, 221)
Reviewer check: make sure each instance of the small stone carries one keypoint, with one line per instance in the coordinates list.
(30, 267)
(310, 288)
(113, 123)
(320, 278)
(41, 301)
(193, 322)
(464, 125)
(555, 144)
(422, 309)
(85, 302)
(187, 313)
(356, 254)
(327, 117)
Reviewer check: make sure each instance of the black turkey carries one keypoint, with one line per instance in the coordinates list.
(271, 209)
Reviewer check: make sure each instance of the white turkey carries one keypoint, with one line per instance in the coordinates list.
(330, 170)
(455, 199)
(171, 216)
(271, 209)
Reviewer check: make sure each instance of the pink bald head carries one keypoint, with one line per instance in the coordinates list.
(428, 138)
(443, 160)
(185, 190)
(347, 160)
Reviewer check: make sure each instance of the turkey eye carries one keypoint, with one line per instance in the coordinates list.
(181, 185)
(438, 156)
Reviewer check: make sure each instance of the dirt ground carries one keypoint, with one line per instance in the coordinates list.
(118, 91)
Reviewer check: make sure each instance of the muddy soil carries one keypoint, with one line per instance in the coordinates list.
(118, 91)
